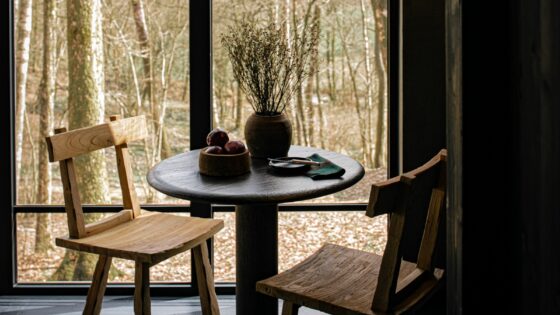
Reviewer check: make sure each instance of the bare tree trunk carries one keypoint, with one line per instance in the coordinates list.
(86, 107)
(331, 71)
(148, 91)
(322, 117)
(218, 109)
(314, 67)
(86, 102)
(302, 121)
(29, 179)
(378, 7)
(146, 52)
(369, 88)
(35, 37)
(163, 146)
(22, 65)
(185, 96)
(276, 12)
(342, 78)
(357, 105)
(292, 104)
(238, 107)
(46, 107)
(216, 106)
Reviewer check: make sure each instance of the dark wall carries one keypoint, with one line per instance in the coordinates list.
(536, 87)
(423, 99)
(511, 152)
(423, 81)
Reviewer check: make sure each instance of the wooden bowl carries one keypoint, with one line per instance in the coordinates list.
(224, 164)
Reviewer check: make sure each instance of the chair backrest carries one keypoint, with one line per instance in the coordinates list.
(398, 196)
(64, 145)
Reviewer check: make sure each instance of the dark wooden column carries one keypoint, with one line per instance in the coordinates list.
(200, 91)
(256, 230)
(423, 81)
(422, 103)
(511, 153)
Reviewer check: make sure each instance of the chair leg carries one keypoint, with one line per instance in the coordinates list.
(142, 303)
(208, 299)
(289, 308)
(98, 284)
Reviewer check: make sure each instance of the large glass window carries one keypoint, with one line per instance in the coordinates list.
(341, 107)
(128, 58)
(139, 59)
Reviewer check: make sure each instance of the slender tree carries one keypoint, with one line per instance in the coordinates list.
(369, 87)
(314, 67)
(379, 13)
(322, 117)
(292, 105)
(146, 55)
(301, 119)
(166, 73)
(161, 147)
(86, 107)
(22, 65)
(46, 108)
(366, 153)
(238, 106)
(331, 70)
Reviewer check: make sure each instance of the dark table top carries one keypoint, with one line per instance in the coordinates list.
(178, 176)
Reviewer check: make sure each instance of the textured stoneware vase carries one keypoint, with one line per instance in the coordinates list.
(268, 136)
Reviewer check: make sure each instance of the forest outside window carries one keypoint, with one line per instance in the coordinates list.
(342, 107)
(138, 58)
(74, 69)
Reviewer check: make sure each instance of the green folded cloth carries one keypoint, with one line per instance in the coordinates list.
(326, 170)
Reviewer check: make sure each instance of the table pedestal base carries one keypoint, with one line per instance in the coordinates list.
(256, 228)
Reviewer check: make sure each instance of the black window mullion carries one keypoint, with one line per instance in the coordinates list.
(99, 208)
(7, 228)
(200, 64)
(288, 207)
(393, 44)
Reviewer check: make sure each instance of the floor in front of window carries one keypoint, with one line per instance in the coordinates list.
(114, 305)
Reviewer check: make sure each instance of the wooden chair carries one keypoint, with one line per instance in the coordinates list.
(145, 237)
(340, 280)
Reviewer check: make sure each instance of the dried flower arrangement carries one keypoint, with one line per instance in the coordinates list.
(268, 68)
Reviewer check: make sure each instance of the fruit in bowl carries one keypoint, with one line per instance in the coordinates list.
(234, 147)
(217, 137)
(219, 143)
(214, 149)
(219, 158)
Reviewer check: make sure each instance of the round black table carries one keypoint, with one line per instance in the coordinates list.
(256, 196)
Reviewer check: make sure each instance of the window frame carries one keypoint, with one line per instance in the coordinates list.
(200, 32)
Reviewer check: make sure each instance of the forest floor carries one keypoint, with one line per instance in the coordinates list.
(300, 234)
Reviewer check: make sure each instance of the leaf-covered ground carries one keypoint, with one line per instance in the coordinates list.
(300, 234)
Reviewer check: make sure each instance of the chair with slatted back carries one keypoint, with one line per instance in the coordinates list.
(340, 280)
(145, 237)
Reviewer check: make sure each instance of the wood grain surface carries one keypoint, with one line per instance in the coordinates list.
(151, 237)
(69, 144)
(179, 177)
(341, 280)
(335, 279)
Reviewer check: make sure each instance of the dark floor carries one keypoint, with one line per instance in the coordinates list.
(120, 305)
(113, 305)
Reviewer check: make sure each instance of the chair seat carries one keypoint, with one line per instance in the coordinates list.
(150, 238)
(335, 279)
